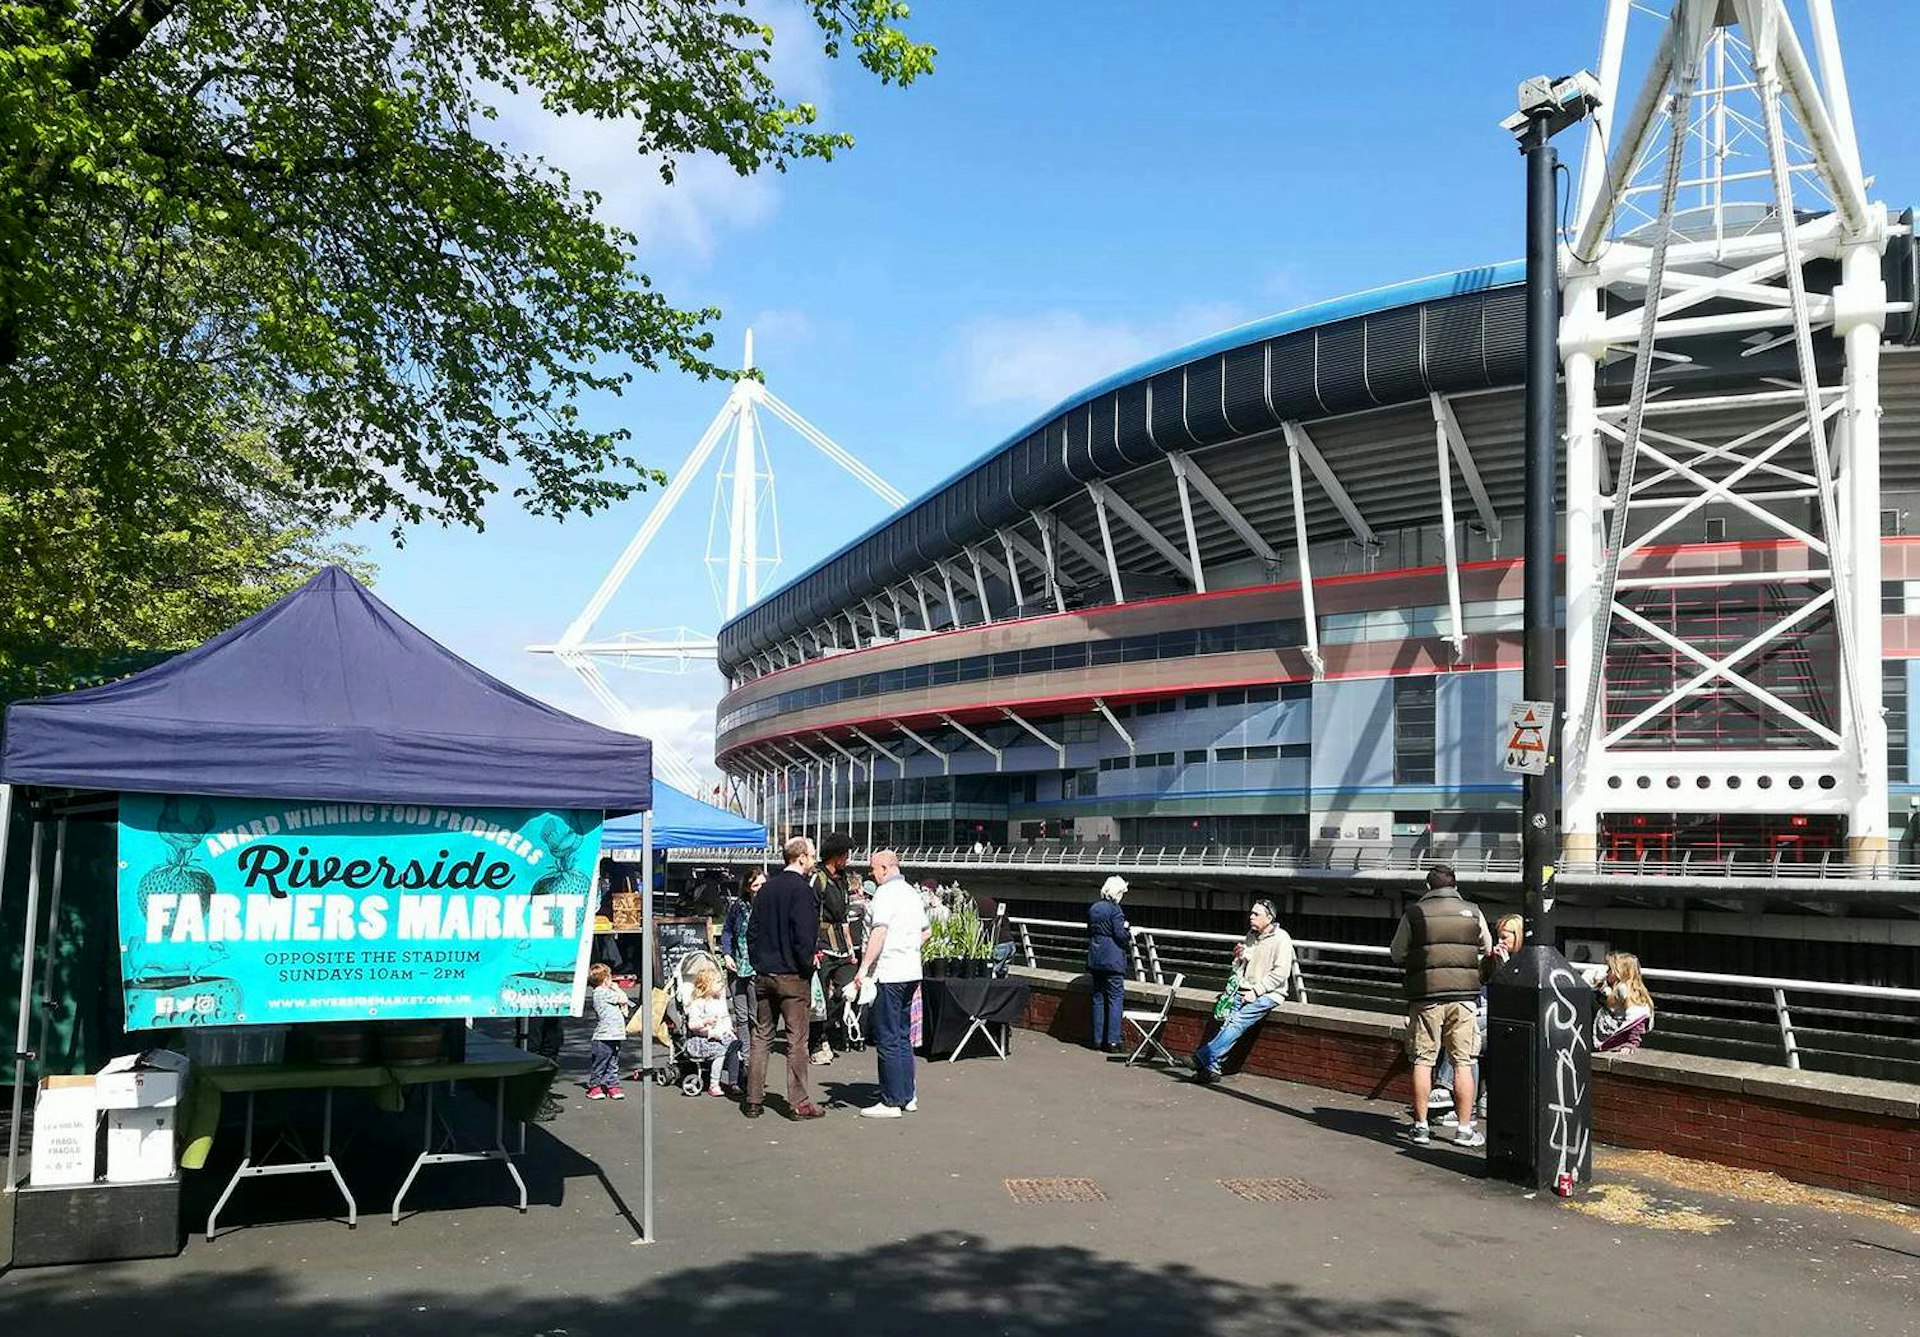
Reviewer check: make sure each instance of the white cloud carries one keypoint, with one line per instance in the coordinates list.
(707, 197)
(1030, 363)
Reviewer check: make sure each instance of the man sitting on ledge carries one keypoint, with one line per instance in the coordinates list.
(1263, 965)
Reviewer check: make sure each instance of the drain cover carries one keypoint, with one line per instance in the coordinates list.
(1273, 1190)
(1030, 1192)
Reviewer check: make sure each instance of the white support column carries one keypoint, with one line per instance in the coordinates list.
(1108, 498)
(1456, 631)
(1065, 533)
(1178, 463)
(953, 603)
(920, 593)
(1455, 441)
(1059, 749)
(980, 585)
(1013, 572)
(1304, 553)
(1101, 706)
(946, 762)
(1099, 496)
(1863, 294)
(1584, 545)
(975, 739)
(1185, 467)
(889, 754)
(1300, 444)
(853, 761)
(1042, 521)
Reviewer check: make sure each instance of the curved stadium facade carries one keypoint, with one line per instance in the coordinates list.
(1265, 591)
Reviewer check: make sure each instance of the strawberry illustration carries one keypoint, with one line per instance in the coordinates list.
(181, 874)
(562, 840)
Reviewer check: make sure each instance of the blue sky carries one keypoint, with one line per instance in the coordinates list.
(1080, 185)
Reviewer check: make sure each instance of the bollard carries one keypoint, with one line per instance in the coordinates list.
(1538, 1072)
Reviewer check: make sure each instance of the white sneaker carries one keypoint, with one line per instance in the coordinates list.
(881, 1112)
(1447, 1120)
(822, 1056)
(913, 1106)
(1469, 1137)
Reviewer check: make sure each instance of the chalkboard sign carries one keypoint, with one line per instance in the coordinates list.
(674, 939)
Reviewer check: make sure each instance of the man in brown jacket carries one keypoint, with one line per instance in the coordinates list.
(1441, 941)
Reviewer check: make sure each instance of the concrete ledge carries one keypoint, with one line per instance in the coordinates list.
(1820, 1128)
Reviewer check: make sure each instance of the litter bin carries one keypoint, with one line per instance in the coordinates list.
(1538, 1071)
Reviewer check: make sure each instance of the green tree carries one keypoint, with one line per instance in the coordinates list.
(266, 251)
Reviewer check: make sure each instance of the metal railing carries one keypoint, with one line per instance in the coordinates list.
(1497, 864)
(1708, 1021)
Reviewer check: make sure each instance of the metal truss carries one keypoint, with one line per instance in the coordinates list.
(744, 512)
(1734, 170)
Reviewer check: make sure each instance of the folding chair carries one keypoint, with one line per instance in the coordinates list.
(1148, 1023)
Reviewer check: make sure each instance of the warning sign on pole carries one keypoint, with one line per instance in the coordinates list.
(1524, 743)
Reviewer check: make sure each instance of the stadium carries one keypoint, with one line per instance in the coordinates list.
(1250, 612)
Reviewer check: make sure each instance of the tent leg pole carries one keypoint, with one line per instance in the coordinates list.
(27, 936)
(647, 1083)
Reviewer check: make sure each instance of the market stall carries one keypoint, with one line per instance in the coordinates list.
(324, 816)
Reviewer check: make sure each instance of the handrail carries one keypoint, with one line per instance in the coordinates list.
(1353, 858)
(1147, 965)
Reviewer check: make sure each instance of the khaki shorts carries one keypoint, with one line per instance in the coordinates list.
(1452, 1026)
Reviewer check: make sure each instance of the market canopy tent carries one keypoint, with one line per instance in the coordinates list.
(682, 822)
(328, 694)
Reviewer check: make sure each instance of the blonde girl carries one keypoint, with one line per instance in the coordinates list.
(710, 1033)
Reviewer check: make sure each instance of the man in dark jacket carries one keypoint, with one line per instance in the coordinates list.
(781, 942)
(1441, 941)
(836, 952)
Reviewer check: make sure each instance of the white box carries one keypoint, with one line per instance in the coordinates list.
(140, 1145)
(152, 1079)
(66, 1124)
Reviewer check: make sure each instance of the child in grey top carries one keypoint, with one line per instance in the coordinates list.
(608, 1007)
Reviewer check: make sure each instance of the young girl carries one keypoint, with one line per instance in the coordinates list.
(609, 1007)
(710, 1033)
(1625, 1013)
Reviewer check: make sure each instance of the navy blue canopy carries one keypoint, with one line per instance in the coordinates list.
(682, 822)
(328, 694)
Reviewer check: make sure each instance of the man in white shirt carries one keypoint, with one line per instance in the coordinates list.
(897, 925)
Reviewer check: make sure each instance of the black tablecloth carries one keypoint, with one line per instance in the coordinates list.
(949, 1006)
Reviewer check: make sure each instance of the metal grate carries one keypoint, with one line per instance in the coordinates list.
(1032, 1192)
(1273, 1190)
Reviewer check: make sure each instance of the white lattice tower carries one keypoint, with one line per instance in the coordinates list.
(1702, 205)
(743, 524)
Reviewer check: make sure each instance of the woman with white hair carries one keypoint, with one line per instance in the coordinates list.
(1108, 940)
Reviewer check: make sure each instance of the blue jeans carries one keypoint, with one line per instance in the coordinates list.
(1210, 1055)
(892, 1041)
(1109, 994)
(604, 1069)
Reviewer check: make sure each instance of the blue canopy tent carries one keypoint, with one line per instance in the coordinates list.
(682, 822)
(327, 694)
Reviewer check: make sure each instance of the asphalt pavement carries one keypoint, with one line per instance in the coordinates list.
(908, 1226)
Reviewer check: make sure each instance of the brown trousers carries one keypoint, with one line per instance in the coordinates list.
(788, 996)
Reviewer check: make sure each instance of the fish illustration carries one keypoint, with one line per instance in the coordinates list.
(181, 874)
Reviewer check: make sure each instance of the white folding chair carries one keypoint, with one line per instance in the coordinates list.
(1149, 1021)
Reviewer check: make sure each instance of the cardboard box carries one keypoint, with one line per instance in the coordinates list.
(140, 1145)
(66, 1124)
(151, 1079)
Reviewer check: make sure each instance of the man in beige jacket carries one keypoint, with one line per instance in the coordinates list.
(1262, 969)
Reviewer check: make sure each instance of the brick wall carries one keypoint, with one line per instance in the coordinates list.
(1838, 1132)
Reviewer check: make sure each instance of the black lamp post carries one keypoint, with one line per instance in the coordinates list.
(1540, 1013)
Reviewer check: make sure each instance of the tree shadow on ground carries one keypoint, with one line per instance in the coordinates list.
(939, 1284)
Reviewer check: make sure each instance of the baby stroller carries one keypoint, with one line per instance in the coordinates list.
(678, 1067)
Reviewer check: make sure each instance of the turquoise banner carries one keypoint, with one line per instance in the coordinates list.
(250, 912)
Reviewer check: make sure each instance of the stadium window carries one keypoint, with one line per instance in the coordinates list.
(1296, 691)
(1413, 731)
(1197, 701)
(1195, 757)
(1229, 754)
(1296, 750)
(1262, 753)
(1237, 697)
(1261, 695)
(1082, 729)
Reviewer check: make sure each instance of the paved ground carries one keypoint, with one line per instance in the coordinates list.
(865, 1227)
